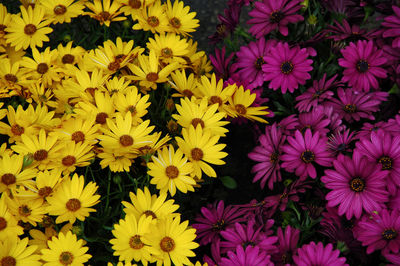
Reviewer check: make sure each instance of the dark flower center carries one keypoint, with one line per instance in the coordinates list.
(175, 22)
(73, 205)
(248, 243)
(386, 162)
(17, 130)
(172, 171)
(8, 179)
(101, 118)
(167, 244)
(259, 62)
(113, 66)
(362, 66)
(197, 154)
(357, 184)
(8, 261)
(219, 225)
(216, 99)
(104, 15)
(126, 140)
(196, 121)
(307, 156)
(3, 223)
(389, 234)
(341, 147)
(66, 258)
(24, 210)
(40, 155)
(60, 9)
(78, 136)
(135, 4)
(153, 21)
(30, 29)
(187, 93)
(135, 242)
(166, 52)
(221, 29)
(287, 67)
(350, 108)
(276, 17)
(240, 109)
(45, 191)
(274, 157)
(42, 68)
(68, 160)
(150, 213)
(68, 59)
(286, 258)
(11, 78)
(152, 76)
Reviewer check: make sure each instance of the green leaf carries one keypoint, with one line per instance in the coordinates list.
(229, 182)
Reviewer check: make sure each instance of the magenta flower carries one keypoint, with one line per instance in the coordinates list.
(228, 23)
(214, 219)
(380, 232)
(269, 15)
(393, 258)
(267, 155)
(384, 149)
(303, 151)
(221, 63)
(317, 94)
(287, 245)
(356, 185)
(286, 67)
(345, 31)
(353, 105)
(249, 256)
(250, 60)
(317, 254)
(393, 25)
(339, 142)
(288, 124)
(315, 120)
(362, 63)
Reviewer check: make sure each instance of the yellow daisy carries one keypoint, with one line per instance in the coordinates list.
(60, 11)
(68, 55)
(240, 105)
(44, 118)
(104, 11)
(146, 204)
(201, 148)
(41, 239)
(19, 121)
(11, 76)
(115, 160)
(42, 95)
(171, 170)
(26, 210)
(5, 20)
(78, 130)
(28, 30)
(9, 228)
(65, 249)
(123, 51)
(156, 143)
(17, 252)
(72, 200)
(179, 18)
(169, 47)
(152, 18)
(202, 66)
(13, 54)
(117, 84)
(186, 86)
(47, 182)
(171, 241)
(104, 58)
(192, 112)
(134, 7)
(3, 112)
(127, 243)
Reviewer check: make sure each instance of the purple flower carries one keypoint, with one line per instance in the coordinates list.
(346, 7)
(317, 94)
(345, 31)
(287, 245)
(384, 149)
(317, 254)
(269, 15)
(249, 256)
(315, 120)
(362, 63)
(214, 219)
(302, 151)
(286, 67)
(228, 23)
(393, 25)
(267, 154)
(250, 60)
(221, 63)
(356, 185)
(380, 232)
(215, 253)
(393, 258)
(368, 128)
(288, 124)
(339, 142)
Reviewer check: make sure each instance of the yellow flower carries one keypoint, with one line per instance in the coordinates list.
(186, 86)
(28, 30)
(11, 77)
(9, 228)
(104, 58)
(115, 160)
(240, 105)
(68, 56)
(179, 18)
(60, 11)
(19, 122)
(5, 19)
(17, 252)
(41, 95)
(124, 52)
(41, 239)
(171, 240)
(78, 130)
(134, 7)
(26, 210)
(72, 200)
(169, 47)
(13, 54)
(152, 18)
(127, 243)
(146, 204)
(117, 84)
(65, 250)
(201, 148)
(104, 11)
(155, 145)
(47, 182)
(171, 170)
(193, 113)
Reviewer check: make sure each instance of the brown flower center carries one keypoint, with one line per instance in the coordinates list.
(45, 191)
(259, 62)
(287, 67)
(167, 244)
(73, 205)
(68, 59)
(153, 21)
(357, 184)
(152, 76)
(104, 15)
(307, 156)
(386, 162)
(172, 171)
(276, 17)
(274, 157)
(197, 154)
(91, 91)
(60, 10)
(175, 22)
(78, 136)
(42, 68)
(135, 242)
(389, 234)
(17, 130)
(150, 213)
(135, 4)
(240, 109)
(2, 29)
(3, 223)
(40, 155)
(221, 29)
(11, 78)
(362, 66)
(166, 52)
(126, 140)
(8, 261)
(114, 66)
(8, 179)
(350, 108)
(24, 210)
(196, 121)
(216, 99)
(187, 93)
(101, 118)
(219, 225)
(68, 160)
(30, 29)
(66, 258)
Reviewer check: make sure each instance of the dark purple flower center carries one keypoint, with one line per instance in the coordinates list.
(276, 16)
(362, 66)
(259, 62)
(307, 156)
(350, 108)
(274, 157)
(219, 225)
(248, 243)
(341, 147)
(286, 258)
(287, 67)
(386, 162)
(389, 234)
(357, 184)
(316, 94)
